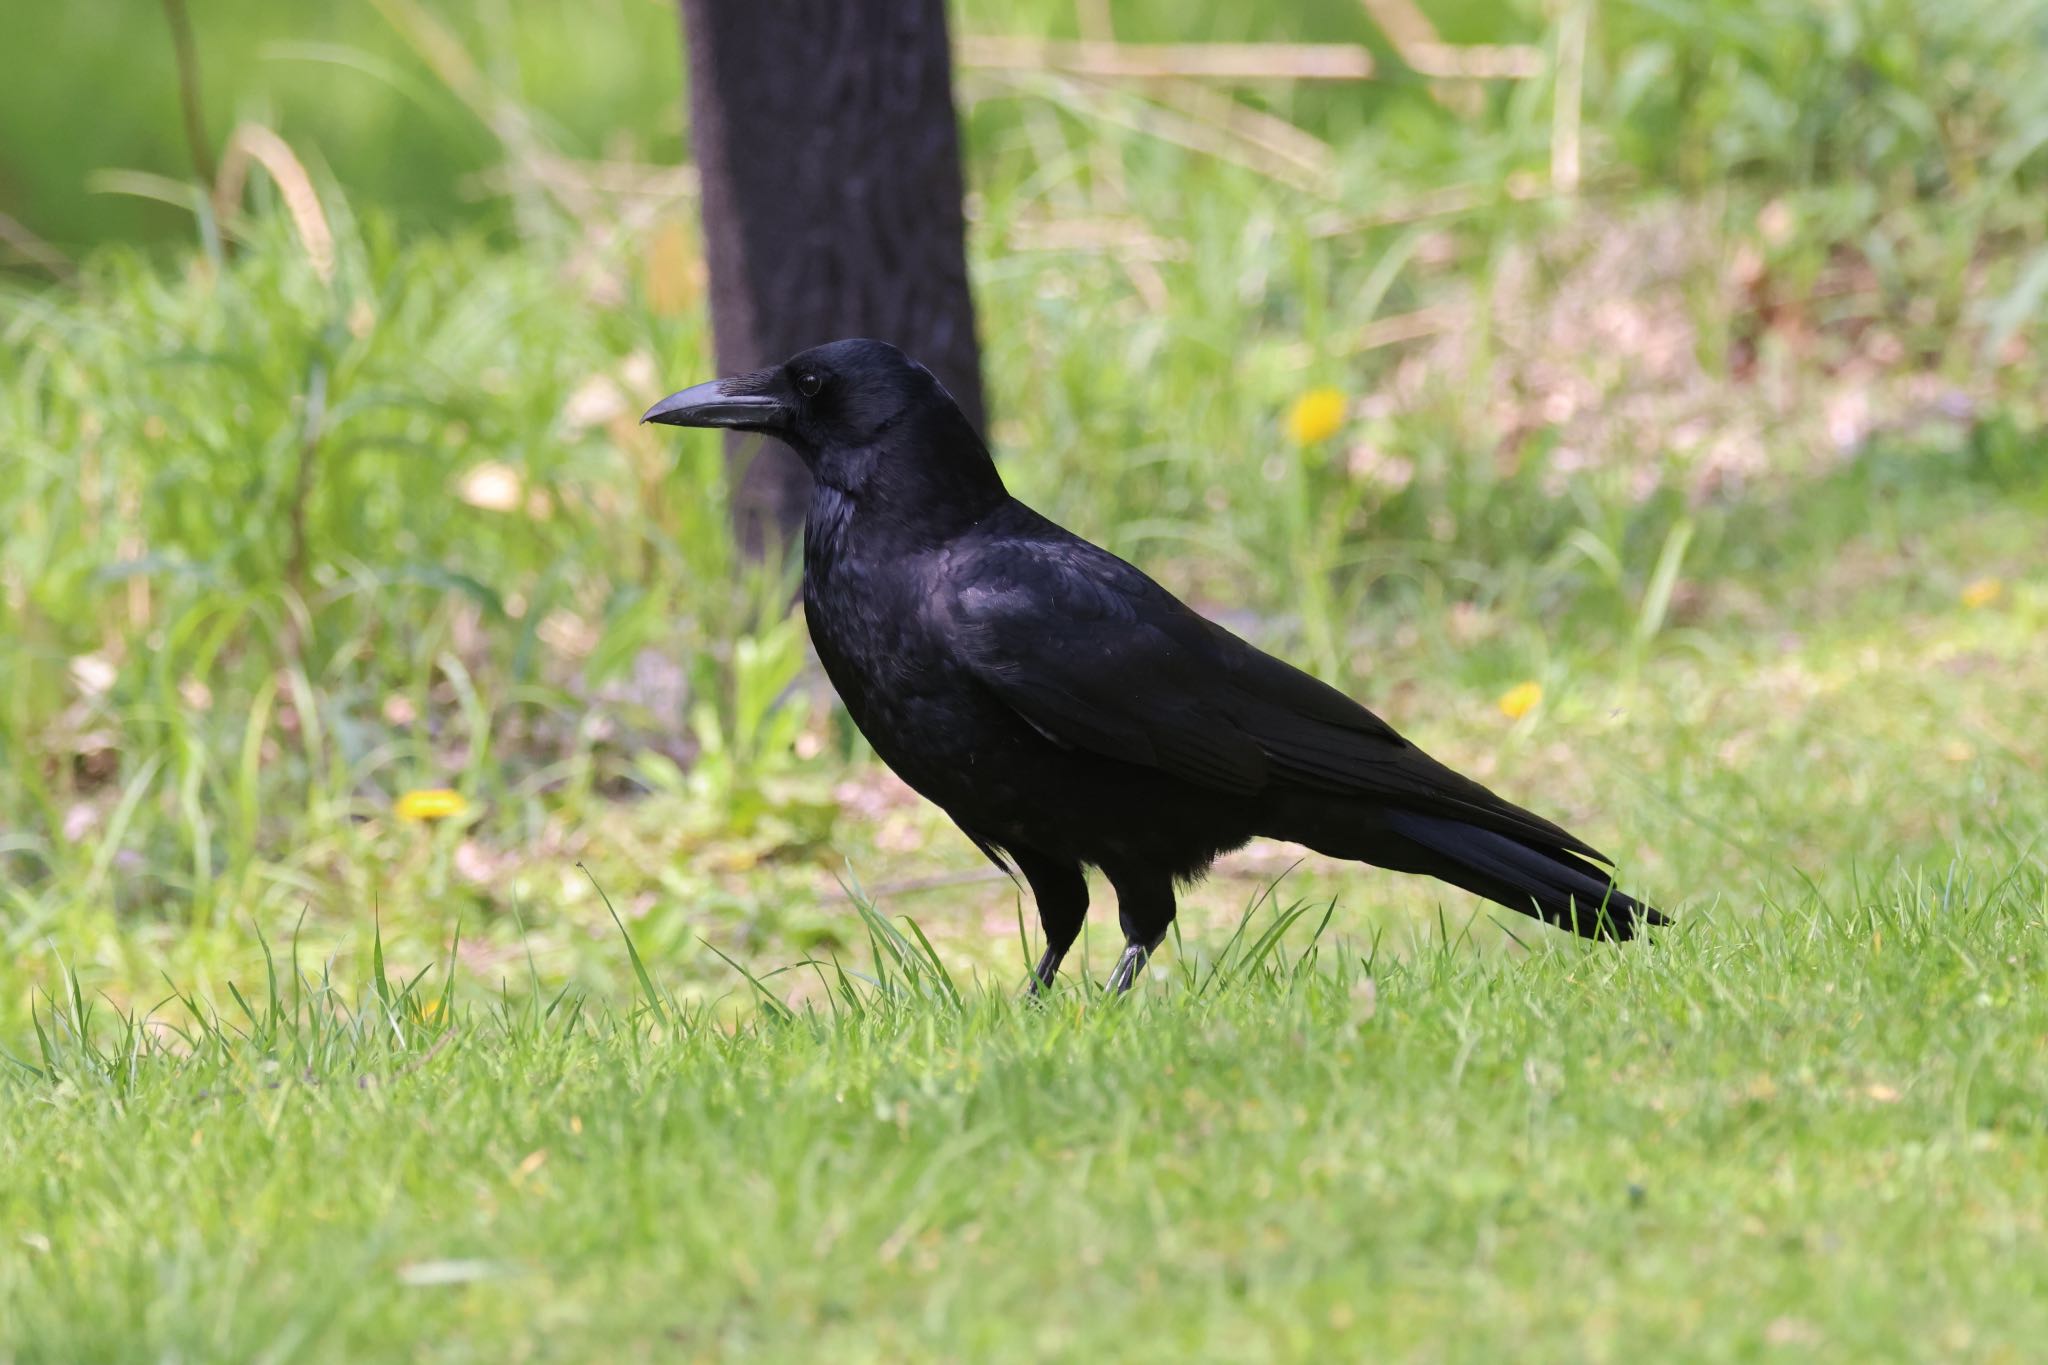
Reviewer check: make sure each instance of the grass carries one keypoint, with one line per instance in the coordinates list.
(1739, 456)
(1817, 1131)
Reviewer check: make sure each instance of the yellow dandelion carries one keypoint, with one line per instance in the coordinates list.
(434, 803)
(1316, 416)
(1982, 592)
(1519, 700)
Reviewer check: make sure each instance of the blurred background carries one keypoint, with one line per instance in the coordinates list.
(1638, 401)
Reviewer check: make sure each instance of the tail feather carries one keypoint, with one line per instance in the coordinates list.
(1552, 884)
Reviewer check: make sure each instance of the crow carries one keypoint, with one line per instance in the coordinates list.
(1068, 712)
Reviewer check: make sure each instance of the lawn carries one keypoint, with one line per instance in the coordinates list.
(1818, 1131)
(1699, 505)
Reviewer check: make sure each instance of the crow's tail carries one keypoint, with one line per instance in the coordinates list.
(1552, 883)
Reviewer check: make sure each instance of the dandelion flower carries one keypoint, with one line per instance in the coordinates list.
(1519, 700)
(1982, 593)
(433, 803)
(1316, 416)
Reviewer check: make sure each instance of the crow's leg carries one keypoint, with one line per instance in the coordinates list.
(1061, 890)
(1144, 904)
(1125, 973)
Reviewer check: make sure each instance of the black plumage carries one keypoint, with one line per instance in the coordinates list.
(1066, 711)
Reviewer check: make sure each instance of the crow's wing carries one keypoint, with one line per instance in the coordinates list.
(1096, 656)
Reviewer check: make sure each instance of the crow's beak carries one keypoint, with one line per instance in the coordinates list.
(741, 403)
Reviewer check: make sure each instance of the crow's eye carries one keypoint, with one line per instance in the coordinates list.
(809, 384)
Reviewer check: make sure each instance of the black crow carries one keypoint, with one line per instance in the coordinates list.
(1067, 711)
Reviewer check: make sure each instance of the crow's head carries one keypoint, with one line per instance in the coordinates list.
(868, 421)
(844, 395)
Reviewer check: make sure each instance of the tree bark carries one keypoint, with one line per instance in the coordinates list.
(829, 154)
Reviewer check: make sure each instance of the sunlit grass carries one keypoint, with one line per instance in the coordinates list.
(1817, 1128)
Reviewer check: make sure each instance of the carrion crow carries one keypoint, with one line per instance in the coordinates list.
(1066, 711)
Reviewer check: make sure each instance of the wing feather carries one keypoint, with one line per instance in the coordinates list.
(1096, 656)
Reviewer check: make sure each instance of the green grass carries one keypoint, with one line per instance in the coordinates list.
(1819, 1130)
(1741, 454)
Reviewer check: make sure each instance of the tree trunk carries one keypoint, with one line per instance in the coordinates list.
(825, 137)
